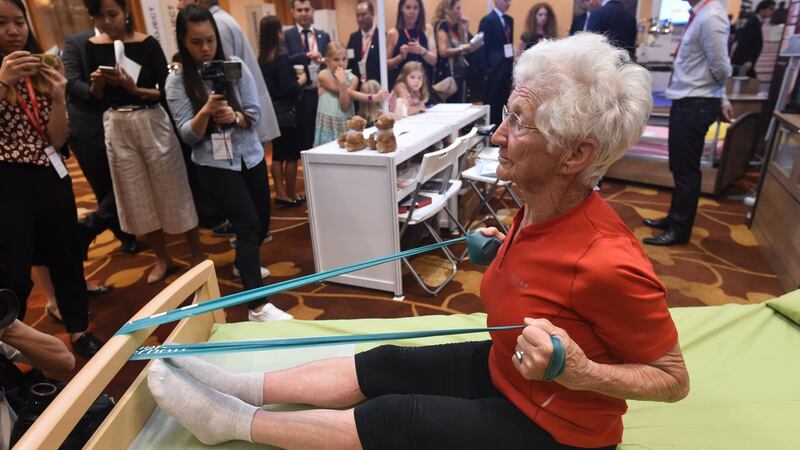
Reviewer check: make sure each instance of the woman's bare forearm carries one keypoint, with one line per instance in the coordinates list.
(663, 380)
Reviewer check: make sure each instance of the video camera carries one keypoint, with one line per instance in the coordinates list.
(9, 307)
(221, 72)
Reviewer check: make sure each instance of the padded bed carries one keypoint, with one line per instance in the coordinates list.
(742, 359)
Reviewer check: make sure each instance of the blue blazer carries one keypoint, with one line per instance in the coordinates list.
(616, 22)
(494, 38)
(295, 49)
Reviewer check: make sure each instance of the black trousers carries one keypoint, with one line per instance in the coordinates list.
(93, 160)
(439, 397)
(39, 211)
(689, 120)
(307, 118)
(245, 200)
(497, 90)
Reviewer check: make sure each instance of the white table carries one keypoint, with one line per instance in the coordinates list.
(353, 196)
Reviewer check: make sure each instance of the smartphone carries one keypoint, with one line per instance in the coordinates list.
(50, 60)
(107, 68)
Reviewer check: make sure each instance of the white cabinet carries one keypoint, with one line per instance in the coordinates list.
(352, 197)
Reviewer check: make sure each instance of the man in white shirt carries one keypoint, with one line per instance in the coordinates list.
(697, 89)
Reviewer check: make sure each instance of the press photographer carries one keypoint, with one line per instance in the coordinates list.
(214, 103)
(21, 343)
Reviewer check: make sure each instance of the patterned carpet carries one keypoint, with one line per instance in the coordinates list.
(722, 264)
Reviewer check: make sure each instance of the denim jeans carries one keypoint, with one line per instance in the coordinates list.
(689, 120)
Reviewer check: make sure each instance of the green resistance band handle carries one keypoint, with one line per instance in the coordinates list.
(204, 348)
(265, 291)
(558, 360)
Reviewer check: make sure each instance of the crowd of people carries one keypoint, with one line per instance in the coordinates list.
(168, 151)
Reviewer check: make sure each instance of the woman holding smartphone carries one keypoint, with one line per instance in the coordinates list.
(151, 186)
(35, 189)
(408, 41)
(220, 127)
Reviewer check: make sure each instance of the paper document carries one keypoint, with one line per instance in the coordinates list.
(132, 68)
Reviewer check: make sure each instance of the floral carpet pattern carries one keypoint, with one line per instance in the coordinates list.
(722, 264)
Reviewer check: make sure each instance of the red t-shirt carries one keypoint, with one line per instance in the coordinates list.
(586, 273)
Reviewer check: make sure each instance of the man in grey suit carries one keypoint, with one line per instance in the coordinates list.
(305, 45)
(87, 140)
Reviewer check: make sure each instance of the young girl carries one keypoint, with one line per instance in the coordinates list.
(411, 90)
(337, 91)
(370, 110)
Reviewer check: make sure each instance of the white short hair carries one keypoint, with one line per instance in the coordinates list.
(586, 88)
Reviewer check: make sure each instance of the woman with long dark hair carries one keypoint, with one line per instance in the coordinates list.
(408, 41)
(284, 86)
(35, 189)
(221, 129)
(151, 186)
(540, 24)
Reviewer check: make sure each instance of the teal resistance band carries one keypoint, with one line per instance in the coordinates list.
(254, 294)
(177, 350)
(554, 368)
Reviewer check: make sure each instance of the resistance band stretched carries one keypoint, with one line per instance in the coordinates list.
(254, 294)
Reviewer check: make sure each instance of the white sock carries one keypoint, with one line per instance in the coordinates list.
(247, 387)
(213, 417)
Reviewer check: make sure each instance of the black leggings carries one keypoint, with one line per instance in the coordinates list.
(439, 397)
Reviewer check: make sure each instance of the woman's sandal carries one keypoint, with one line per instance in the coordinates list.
(286, 203)
(99, 290)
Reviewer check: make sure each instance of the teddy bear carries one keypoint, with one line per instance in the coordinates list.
(383, 140)
(353, 139)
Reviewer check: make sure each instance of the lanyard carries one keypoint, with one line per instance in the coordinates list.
(311, 45)
(506, 31)
(691, 19)
(365, 47)
(416, 39)
(33, 115)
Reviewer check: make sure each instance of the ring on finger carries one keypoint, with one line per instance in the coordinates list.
(519, 354)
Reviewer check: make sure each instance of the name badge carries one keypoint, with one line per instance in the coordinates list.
(362, 69)
(508, 50)
(56, 161)
(351, 53)
(222, 146)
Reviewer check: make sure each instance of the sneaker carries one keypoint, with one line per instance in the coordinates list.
(264, 272)
(268, 313)
(267, 238)
(223, 229)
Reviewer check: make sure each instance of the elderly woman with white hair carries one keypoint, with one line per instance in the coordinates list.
(568, 269)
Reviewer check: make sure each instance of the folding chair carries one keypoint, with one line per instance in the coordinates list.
(441, 162)
(483, 174)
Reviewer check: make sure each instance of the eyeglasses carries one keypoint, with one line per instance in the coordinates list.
(515, 123)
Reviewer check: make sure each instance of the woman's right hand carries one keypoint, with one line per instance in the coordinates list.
(98, 83)
(492, 232)
(341, 75)
(404, 49)
(216, 102)
(16, 65)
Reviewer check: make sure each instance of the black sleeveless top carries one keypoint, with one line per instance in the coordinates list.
(404, 37)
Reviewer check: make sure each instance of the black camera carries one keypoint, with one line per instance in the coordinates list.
(9, 307)
(221, 72)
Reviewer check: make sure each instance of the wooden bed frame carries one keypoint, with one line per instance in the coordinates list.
(134, 408)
